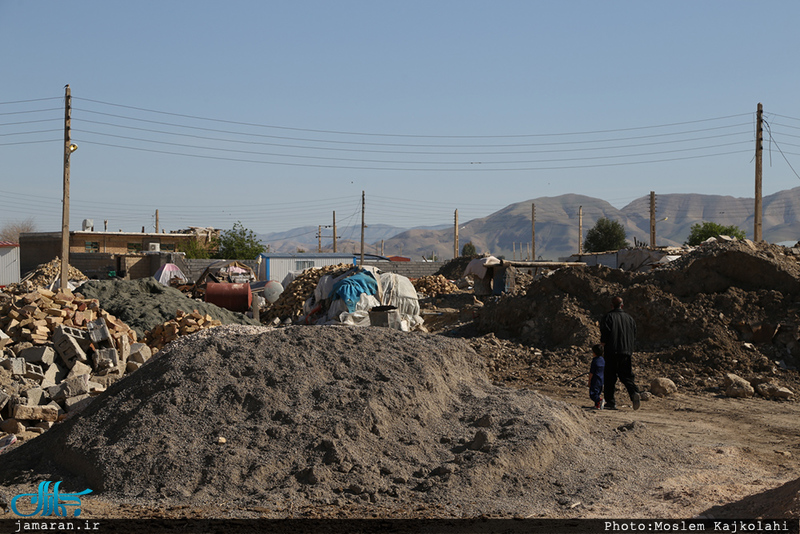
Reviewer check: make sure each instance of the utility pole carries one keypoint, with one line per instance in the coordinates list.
(652, 219)
(455, 236)
(156, 221)
(65, 208)
(363, 207)
(533, 232)
(580, 229)
(319, 239)
(759, 149)
(334, 231)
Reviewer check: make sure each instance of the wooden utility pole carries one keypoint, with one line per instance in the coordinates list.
(65, 208)
(319, 239)
(759, 149)
(652, 219)
(334, 231)
(363, 207)
(580, 229)
(533, 231)
(455, 236)
(157, 221)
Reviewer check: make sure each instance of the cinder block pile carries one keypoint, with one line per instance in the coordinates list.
(434, 285)
(57, 351)
(183, 324)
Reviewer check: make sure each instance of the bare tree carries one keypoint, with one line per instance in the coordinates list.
(11, 230)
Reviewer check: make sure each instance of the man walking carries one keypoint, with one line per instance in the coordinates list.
(617, 334)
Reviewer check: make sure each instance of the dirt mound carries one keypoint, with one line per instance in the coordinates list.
(454, 269)
(314, 416)
(700, 313)
(144, 304)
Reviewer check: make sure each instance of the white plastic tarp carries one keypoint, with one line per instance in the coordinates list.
(167, 272)
(478, 266)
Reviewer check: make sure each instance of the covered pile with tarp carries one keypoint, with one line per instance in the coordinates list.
(170, 274)
(361, 297)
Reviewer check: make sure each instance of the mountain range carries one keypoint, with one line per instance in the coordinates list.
(507, 232)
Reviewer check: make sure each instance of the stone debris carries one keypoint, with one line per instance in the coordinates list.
(663, 387)
(44, 276)
(434, 285)
(183, 324)
(290, 304)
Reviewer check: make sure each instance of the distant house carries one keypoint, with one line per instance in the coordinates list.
(9, 263)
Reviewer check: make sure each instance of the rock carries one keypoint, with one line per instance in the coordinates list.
(480, 440)
(35, 413)
(663, 387)
(736, 386)
(12, 426)
(773, 391)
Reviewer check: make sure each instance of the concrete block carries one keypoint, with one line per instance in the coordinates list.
(98, 331)
(4, 339)
(57, 407)
(105, 361)
(124, 349)
(67, 345)
(140, 353)
(76, 404)
(71, 387)
(17, 367)
(41, 355)
(35, 413)
(36, 396)
(34, 372)
(96, 388)
(79, 368)
(4, 398)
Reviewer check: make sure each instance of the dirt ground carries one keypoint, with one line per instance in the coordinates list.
(487, 415)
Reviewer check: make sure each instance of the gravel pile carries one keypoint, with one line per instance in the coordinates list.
(336, 416)
(144, 304)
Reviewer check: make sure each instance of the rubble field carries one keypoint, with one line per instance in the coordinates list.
(486, 416)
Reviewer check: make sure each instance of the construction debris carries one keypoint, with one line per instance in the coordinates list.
(434, 285)
(45, 275)
(183, 324)
(289, 305)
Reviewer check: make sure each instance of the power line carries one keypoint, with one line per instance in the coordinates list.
(405, 135)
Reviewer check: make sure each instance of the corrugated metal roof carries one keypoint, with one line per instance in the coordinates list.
(8, 244)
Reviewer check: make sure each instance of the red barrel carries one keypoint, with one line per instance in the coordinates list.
(234, 297)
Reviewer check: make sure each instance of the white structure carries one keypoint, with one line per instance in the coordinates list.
(9, 263)
(275, 266)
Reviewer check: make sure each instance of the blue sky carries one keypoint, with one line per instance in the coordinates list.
(276, 114)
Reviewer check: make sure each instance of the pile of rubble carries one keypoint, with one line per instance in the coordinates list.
(183, 324)
(726, 307)
(289, 305)
(434, 285)
(44, 276)
(58, 351)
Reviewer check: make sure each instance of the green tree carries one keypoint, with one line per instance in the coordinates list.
(605, 235)
(468, 249)
(194, 249)
(701, 231)
(239, 243)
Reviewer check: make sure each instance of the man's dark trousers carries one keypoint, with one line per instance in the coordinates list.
(618, 365)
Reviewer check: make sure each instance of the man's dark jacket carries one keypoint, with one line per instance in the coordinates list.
(618, 331)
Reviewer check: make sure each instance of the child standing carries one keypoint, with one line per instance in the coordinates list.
(596, 377)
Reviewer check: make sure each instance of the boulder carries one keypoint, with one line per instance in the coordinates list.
(663, 387)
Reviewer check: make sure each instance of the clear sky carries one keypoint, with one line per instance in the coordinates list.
(276, 114)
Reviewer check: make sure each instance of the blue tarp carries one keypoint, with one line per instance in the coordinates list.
(351, 288)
